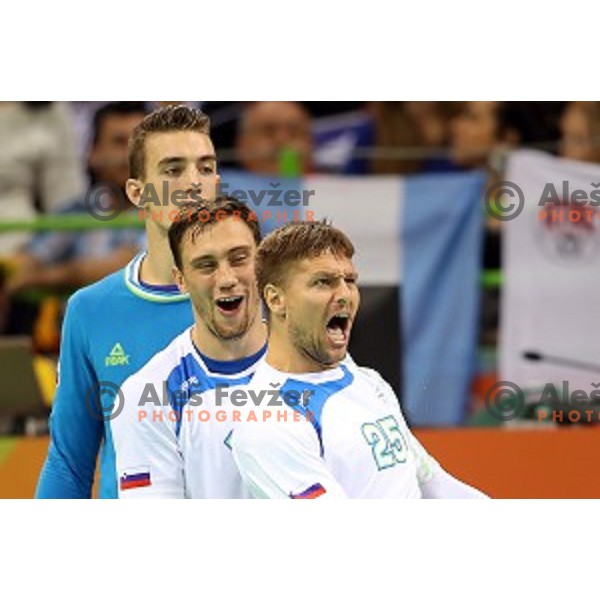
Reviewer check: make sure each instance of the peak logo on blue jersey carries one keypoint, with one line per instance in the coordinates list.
(117, 357)
(314, 491)
(135, 478)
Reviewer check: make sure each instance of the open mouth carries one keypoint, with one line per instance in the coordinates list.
(230, 304)
(338, 328)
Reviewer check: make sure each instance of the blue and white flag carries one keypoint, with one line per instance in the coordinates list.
(441, 234)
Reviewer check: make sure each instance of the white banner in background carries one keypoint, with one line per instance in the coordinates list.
(551, 295)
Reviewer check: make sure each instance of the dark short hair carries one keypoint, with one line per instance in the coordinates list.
(294, 242)
(196, 217)
(119, 109)
(163, 120)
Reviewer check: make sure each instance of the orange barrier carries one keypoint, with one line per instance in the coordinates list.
(559, 463)
(21, 460)
(556, 463)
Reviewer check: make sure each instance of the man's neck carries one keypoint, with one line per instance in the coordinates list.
(157, 266)
(218, 349)
(283, 356)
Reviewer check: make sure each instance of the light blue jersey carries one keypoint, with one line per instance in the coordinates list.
(111, 329)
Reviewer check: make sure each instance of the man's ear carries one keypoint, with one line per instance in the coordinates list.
(134, 188)
(274, 297)
(179, 280)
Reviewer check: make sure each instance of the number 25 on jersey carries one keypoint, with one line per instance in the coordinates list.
(386, 441)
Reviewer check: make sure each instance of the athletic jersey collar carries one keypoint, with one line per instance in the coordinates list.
(247, 368)
(266, 370)
(152, 293)
(231, 367)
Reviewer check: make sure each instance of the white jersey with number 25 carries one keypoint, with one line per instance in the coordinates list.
(337, 434)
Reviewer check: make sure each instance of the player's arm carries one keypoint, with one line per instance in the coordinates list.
(444, 486)
(435, 483)
(283, 460)
(148, 458)
(75, 433)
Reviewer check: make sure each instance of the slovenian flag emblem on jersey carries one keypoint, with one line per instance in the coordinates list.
(314, 491)
(135, 478)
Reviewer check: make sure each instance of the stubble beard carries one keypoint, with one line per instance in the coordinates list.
(230, 333)
(309, 348)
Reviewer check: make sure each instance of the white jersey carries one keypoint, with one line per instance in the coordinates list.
(337, 434)
(153, 457)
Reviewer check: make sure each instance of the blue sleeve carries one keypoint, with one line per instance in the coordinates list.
(75, 434)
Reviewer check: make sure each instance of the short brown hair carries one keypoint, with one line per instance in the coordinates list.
(295, 242)
(163, 120)
(195, 217)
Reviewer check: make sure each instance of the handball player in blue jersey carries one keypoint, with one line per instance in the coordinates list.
(113, 327)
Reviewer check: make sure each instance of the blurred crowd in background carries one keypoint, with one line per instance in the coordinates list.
(51, 152)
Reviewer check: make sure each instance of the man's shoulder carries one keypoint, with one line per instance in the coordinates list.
(99, 292)
(364, 374)
(372, 388)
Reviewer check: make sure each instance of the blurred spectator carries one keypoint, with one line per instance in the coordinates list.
(39, 165)
(225, 116)
(66, 259)
(82, 115)
(430, 120)
(394, 131)
(267, 130)
(580, 131)
(72, 259)
(385, 138)
(432, 123)
(476, 132)
(482, 130)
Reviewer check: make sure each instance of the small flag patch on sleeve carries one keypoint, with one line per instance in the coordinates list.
(135, 479)
(314, 491)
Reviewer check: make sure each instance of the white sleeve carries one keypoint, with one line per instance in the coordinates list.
(283, 460)
(443, 486)
(148, 458)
